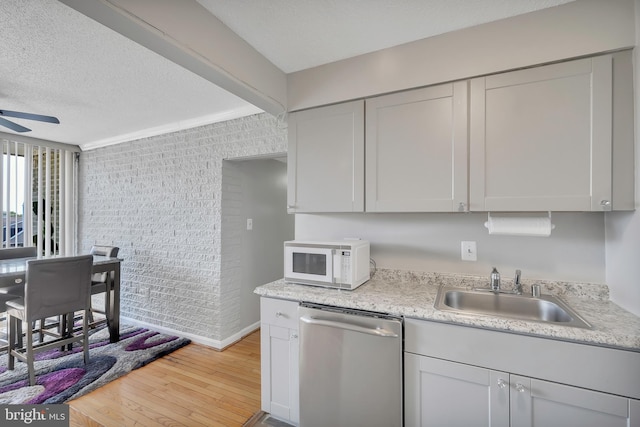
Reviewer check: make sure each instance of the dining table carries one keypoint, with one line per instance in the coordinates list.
(13, 272)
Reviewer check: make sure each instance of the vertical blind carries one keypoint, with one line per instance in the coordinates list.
(39, 193)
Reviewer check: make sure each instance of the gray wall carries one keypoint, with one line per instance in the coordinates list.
(571, 30)
(431, 242)
(159, 200)
(255, 189)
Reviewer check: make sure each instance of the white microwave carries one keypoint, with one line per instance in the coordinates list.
(339, 264)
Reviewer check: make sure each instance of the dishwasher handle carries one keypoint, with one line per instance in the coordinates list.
(380, 332)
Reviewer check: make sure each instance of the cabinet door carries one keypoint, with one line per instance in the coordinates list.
(442, 393)
(416, 150)
(279, 358)
(536, 403)
(279, 371)
(541, 138)
(325, 164)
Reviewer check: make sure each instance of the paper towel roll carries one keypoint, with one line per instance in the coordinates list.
(520, 226)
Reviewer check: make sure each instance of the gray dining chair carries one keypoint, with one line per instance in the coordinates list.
(11, 286)
(102, 283)
(3, 309)
(53, 287)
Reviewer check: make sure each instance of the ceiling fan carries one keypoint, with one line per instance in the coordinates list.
(20, 115)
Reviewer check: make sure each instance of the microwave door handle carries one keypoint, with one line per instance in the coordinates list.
(333, 266)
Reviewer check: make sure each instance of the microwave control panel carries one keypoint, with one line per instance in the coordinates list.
(345, 264)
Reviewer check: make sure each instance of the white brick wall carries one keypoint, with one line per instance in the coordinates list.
(159, 200)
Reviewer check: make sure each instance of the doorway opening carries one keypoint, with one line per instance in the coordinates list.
(254, 225)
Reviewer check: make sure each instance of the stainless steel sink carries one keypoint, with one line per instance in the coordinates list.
(545, 308)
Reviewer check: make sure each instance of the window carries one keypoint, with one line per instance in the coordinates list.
(38, 193)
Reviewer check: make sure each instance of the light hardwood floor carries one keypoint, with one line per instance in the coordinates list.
(193, 386)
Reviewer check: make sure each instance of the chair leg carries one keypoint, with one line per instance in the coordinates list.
(90, 310)
(30, 361)
(5, 347)
(11, 337)
(62, 329)
(18, 334)
(107, 302)
(85, 335)
(69, 332)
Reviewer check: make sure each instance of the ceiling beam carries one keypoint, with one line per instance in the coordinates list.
(186, 33)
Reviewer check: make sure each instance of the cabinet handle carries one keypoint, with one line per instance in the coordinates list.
(279, 314)
(606, 205)
(462, 207)
(520, 388)
(294, 336)
(502, 383)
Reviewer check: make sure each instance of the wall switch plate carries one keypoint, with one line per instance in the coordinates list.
(469, 251)
(249, 224)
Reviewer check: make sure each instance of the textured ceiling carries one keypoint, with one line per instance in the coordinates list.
(101, 85)
(105, 88)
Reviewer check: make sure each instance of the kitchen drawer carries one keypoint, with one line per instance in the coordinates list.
(279, 312)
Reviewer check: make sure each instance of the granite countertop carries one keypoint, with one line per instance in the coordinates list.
(412, 294)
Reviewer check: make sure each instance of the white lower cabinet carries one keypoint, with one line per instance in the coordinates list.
(279, 358)
(444, 393)
(536, 403)
(462, 376)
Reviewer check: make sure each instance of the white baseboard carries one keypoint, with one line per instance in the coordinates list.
(238, 336)
(217, 344)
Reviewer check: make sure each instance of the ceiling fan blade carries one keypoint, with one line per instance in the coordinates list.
(13, 126)
(29, 116)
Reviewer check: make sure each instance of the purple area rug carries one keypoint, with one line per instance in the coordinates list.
(62, 376)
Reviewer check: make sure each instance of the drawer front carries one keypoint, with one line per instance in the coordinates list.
(279, 312)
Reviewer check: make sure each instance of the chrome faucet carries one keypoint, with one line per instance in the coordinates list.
(495, 280)
(517, 286)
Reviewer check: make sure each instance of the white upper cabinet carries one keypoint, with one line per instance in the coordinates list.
(416, 150)
(551, 138)
(325, 162)
(541, 138)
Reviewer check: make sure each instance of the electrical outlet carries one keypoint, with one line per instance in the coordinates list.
(249, 224)
(469, 251)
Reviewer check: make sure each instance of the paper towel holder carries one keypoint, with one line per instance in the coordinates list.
(489, 216)
(512, 228)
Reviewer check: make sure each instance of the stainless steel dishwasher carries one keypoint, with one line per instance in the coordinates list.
(350, 368)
